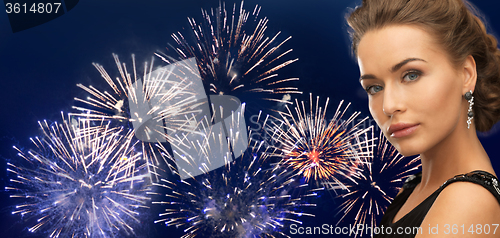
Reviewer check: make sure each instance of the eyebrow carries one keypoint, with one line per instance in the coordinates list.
(402, 63)
(393, 69)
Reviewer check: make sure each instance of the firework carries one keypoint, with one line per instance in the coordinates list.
(224, 133)
(315, 148)
(234, 55)
(147, 100)
(80, 181)
(380, 175)
(154, 102)
(247, 197)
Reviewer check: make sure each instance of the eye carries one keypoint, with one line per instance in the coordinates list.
(373, 89)
(411, 76)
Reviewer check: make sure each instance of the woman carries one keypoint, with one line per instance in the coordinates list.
(432, 74)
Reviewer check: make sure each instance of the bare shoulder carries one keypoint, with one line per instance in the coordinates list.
(400, 191)
(463, 204)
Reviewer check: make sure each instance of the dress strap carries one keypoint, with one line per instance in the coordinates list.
(483, 178)
(413, 180)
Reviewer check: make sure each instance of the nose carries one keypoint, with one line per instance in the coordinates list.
(393, 102)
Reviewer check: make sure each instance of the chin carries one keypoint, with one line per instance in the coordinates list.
(407, 146)
(408, 151)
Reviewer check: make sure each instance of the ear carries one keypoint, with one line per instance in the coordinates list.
(470, 74)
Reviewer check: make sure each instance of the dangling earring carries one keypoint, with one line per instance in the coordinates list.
(470, 114)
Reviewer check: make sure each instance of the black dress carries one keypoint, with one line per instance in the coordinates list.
(415, 217)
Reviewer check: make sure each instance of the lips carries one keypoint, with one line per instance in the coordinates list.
(402, 129)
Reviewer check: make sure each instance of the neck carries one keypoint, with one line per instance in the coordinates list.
(461, 152)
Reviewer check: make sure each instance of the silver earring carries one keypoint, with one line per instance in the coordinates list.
(470, 114)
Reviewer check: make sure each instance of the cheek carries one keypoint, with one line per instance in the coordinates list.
(437, 106)
(440, 103)
(376, 110)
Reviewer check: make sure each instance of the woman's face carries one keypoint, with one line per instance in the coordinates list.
(414, 91)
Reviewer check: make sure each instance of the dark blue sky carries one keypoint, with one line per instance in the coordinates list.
(40, 67)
